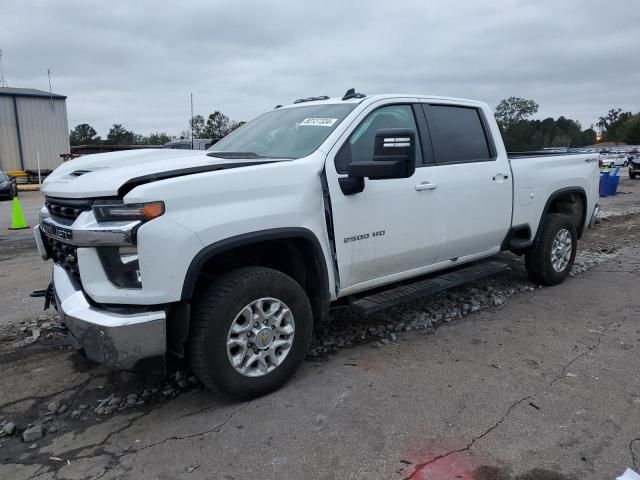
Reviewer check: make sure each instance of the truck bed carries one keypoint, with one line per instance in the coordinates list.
(546, 174)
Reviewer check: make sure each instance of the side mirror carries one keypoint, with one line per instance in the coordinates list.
(394, 156)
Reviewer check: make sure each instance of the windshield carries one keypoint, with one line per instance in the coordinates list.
(3, 177)
(287, 133)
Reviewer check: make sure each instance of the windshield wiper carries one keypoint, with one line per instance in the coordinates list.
(234, 155)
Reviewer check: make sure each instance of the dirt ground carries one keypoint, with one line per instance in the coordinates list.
(543, 386)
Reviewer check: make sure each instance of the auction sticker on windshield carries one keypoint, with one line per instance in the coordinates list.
(319, 122)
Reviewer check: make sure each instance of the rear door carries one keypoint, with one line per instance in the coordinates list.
(390, 229)
(474, 194)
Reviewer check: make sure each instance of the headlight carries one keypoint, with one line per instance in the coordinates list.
(132, 211)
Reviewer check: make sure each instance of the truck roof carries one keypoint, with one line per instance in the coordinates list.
(373, 98)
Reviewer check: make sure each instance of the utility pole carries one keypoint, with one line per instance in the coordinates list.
(50, 92)
(191, 121)
(3, 82)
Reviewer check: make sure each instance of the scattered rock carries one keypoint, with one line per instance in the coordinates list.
(52, 406)
(32, 434)
(62, 409)
(9, 428)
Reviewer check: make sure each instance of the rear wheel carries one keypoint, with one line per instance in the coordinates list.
(626, 163)
(251, 329)
(612, 165)
(549, 260)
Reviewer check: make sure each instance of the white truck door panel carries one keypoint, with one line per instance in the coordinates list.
(474, 197)
(391, 226)
(477, 207)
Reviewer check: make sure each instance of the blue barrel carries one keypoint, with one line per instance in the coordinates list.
(612, 185)
(604, 184)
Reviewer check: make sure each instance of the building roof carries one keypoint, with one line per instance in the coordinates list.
(28, 92)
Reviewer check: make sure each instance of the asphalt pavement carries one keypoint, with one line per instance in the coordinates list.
(543, 387)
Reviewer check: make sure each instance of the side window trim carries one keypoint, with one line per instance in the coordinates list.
(428, 156)
(485, 129)
(411, 104)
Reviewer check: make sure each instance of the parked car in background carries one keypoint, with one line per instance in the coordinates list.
(634, 167)
(8, 186)
(613, 160)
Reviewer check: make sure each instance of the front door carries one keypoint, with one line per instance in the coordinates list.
(390, 229)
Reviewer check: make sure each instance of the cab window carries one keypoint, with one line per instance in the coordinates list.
(359, 147)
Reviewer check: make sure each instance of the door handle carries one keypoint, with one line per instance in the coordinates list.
(426, 186)
(500, 176)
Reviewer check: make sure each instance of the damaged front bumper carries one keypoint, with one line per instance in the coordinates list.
(127, 338)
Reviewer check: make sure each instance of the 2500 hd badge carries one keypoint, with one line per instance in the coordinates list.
(364, 236)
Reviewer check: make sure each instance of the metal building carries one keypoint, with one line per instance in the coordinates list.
(32, 122)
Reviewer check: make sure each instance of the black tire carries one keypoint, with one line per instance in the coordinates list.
(626, 163)
(538, 260)
(14, 191)
(214, 310)
(612, 165)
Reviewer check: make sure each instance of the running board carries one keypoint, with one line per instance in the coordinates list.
(429, 286)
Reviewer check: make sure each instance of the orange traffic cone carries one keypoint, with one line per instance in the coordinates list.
(17, 219)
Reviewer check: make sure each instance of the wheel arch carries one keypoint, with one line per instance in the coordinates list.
(570, 201)
(295, 251)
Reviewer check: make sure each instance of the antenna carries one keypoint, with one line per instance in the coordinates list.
(191, 121)
(50, 92)
(3, 82)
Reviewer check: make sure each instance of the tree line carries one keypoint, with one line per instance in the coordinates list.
(522, 134)
(519, 132)
(217, 125)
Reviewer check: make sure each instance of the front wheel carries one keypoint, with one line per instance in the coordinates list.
(612, 165)
(626, 163)
(549, 260)
(251, 329)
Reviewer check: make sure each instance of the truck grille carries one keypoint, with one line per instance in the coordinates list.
(68, 209)
(65, 255)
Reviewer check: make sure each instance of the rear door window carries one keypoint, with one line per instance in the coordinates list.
(457, 134)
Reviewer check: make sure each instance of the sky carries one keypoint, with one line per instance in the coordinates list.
(136, 62)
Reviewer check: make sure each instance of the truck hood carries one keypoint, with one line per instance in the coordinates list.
(105, 174)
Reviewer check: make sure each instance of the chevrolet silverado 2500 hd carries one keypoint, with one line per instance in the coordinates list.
(227, 256)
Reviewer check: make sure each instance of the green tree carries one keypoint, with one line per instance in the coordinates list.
(198, 126)
(589, 137)
(611, 124)
(157, 138)
(217, 125)
(118, 135)
(83, 134)
(512, 110)
(630, 130)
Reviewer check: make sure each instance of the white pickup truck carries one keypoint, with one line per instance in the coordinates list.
(226, 257)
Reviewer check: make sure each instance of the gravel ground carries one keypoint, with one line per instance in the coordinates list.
(342, 329)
